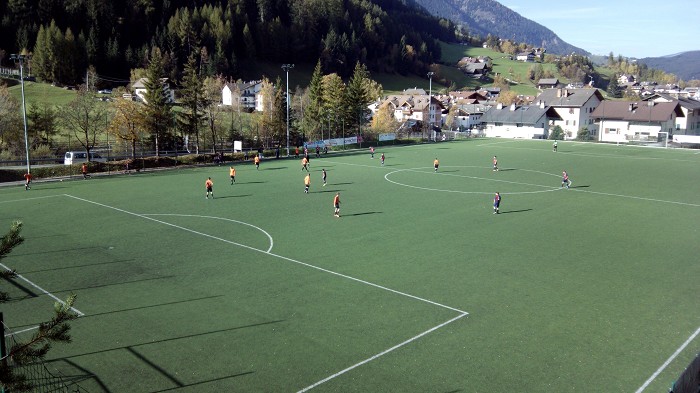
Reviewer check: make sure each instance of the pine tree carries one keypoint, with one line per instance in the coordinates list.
(192, 92)
(38, 346)
(313, 113)
(357, 97)
(158, 116)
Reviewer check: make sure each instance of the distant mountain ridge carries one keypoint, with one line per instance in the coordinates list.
(485, 17)
(685, 65)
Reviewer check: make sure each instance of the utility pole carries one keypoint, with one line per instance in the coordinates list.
(20, 59)
(286, 68)
(430, 101)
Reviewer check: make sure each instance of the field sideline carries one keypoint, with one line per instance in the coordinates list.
(417, 287)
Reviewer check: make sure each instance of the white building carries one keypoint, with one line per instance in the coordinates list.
(241, 94)
(140, 89)
(574, 106)
(624, 121)
(523, 122)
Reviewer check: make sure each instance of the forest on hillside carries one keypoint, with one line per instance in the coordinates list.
(65, 37)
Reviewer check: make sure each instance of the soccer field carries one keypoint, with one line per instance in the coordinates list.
(417, 287)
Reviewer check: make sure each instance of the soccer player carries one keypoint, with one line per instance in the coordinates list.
(84, 169)
(307, 183)
(495, 164)
(318, 151)
(565, 179)
(436, 164)
(257, 162)
(28, 179)
(209, 185)
(305, 164)
(232, 172)
(371, 151)
(323, 175)
(496, 203)
(554, 146)
(382, 158)
(336, 204)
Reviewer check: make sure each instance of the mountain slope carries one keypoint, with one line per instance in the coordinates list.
(684, 65)
(485, 17)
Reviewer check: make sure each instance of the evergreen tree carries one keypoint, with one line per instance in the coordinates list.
(38, 346)
(333, 102)
(614, 88)
(158, 116)
(313, 113)
(192, 92)
(358, 97)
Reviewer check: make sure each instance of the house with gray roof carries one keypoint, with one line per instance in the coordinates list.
(625, 121)
(689, 124)
(574, 107)
(518, 121)
(415, 107)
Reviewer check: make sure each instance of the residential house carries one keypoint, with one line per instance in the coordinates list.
(240, 94)
(416, 107)
(140, 89)
(468, 97)
(475, 70)
(525, 56)
(547, 83)
(625, 79)
(518, 121)
(574, 107)
(624, 121)
(689, 124)
(468, 116)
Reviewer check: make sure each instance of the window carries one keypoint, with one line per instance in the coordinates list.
(571, 111)
(567, 122)
(518, 124)
(574, 123)
(497, 124)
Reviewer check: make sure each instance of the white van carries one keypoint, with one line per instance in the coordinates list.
(78, 157)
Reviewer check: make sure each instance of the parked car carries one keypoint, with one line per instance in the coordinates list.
(105, 91)
(78, 157)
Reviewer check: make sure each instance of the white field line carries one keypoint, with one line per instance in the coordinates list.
(30, 199)
(224, 219)
(584, 154)
(22, 331)
(271, 254)
(369, 359)
(42, 290)
(636, 197)
(668, 361)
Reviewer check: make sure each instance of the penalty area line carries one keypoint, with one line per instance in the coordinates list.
(380, 354)
(42, 290)
(668, 361)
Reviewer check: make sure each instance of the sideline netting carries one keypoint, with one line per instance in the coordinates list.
(37, 374)
(689, 380)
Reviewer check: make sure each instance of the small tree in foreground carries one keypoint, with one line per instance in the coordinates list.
(36, 348)
(556, 132)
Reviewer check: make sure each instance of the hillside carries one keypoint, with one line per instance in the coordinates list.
(484, 17)
(684, 65)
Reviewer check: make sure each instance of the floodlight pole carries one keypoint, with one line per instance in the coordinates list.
(20, 59)
(430, 100)
(286, 68)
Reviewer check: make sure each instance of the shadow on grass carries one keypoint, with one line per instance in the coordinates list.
(341, 184)
(275, 168)
(152, 306)
(359, 214)
(516, 211)
(233, 196)
(450, 171)
(506, 170)
(79, 266)
(250, 182)
(579, 186)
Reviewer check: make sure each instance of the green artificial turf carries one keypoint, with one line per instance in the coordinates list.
(261, 289)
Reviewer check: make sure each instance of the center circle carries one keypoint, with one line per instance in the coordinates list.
(500, 183)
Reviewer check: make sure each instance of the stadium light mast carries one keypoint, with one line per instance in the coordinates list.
(19, 58)
(430, 101)
(286, 68)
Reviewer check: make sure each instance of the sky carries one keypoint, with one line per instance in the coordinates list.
(640, 28)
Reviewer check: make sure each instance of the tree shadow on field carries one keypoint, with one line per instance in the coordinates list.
(233, 196)
(516, 211)
(342, 184)
(360, 214)
(454, 170)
